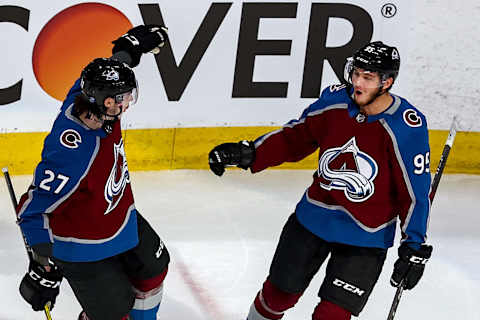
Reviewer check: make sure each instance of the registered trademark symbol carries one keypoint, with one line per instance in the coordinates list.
(389, 10)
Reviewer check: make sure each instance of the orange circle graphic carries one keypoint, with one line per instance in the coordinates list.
(70, 40)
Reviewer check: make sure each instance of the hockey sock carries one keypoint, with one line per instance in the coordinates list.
(271, 303)
(148, 297)
(327, 310)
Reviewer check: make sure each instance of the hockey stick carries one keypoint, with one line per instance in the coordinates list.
(435, 183)
(27, 247)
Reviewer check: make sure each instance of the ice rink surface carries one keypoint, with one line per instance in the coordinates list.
(222, 232)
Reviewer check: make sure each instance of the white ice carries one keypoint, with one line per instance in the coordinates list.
(222, 232)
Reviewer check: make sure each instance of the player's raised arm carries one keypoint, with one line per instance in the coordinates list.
(137, 41)
(79, 215)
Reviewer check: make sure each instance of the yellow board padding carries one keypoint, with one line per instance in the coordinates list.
(187, 148)
(21, 152)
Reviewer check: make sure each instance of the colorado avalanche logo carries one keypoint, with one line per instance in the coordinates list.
(411, 118)
(111, 75)
(118, 179)
(70, 139)
(349, 169)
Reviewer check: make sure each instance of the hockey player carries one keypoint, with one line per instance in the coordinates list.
(373, 167)
(78, 216)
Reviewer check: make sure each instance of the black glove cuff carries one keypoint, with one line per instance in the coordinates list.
(247, 154)
(411, 255)
(42, 249)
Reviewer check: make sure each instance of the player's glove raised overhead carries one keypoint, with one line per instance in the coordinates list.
(410, 265)
(241, 154)
(141, 39)
(39, 286)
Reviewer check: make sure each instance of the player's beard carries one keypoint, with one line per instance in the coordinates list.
(370, 97)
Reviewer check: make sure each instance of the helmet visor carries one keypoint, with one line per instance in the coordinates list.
(365, 78)
(129, 97)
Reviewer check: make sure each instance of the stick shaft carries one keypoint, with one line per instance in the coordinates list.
(396, 301)
(46, 308)
(15, 204)
(443, 159)
(10, 190)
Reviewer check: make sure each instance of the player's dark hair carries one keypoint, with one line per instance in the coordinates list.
(81, 105)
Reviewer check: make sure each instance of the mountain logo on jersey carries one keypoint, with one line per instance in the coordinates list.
(118, 179)
(349, 169)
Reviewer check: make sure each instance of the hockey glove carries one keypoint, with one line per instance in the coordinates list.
(410, 265)
(38, 287)
(241, 154)
(141, 39)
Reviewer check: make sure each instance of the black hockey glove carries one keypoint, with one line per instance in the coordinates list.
(241, 154)
(410, 265)
(141, 39)
(39, 286)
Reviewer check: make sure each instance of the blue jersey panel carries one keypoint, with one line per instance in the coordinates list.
(338, 225)
(411, 134)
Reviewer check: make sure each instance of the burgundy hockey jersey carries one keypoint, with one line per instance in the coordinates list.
(80, 198)
(371, 170)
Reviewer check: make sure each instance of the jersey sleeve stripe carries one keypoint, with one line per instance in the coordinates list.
(46, 225)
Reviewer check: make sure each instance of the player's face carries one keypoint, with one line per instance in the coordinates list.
(124, 101)
(118, 106)
(366, 85)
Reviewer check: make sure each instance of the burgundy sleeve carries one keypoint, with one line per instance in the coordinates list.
(293, 142)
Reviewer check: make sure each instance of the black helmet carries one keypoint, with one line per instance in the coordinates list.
(107, 78)
(375, 56)
(103, 78)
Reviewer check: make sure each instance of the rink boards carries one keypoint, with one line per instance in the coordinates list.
(187, 148)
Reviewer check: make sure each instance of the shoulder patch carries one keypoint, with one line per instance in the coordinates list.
(411, 118)
(337, 87)
(70, 139)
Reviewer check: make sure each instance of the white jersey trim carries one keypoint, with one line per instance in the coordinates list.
(396, 104)
(406, 178)
(343, 209)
